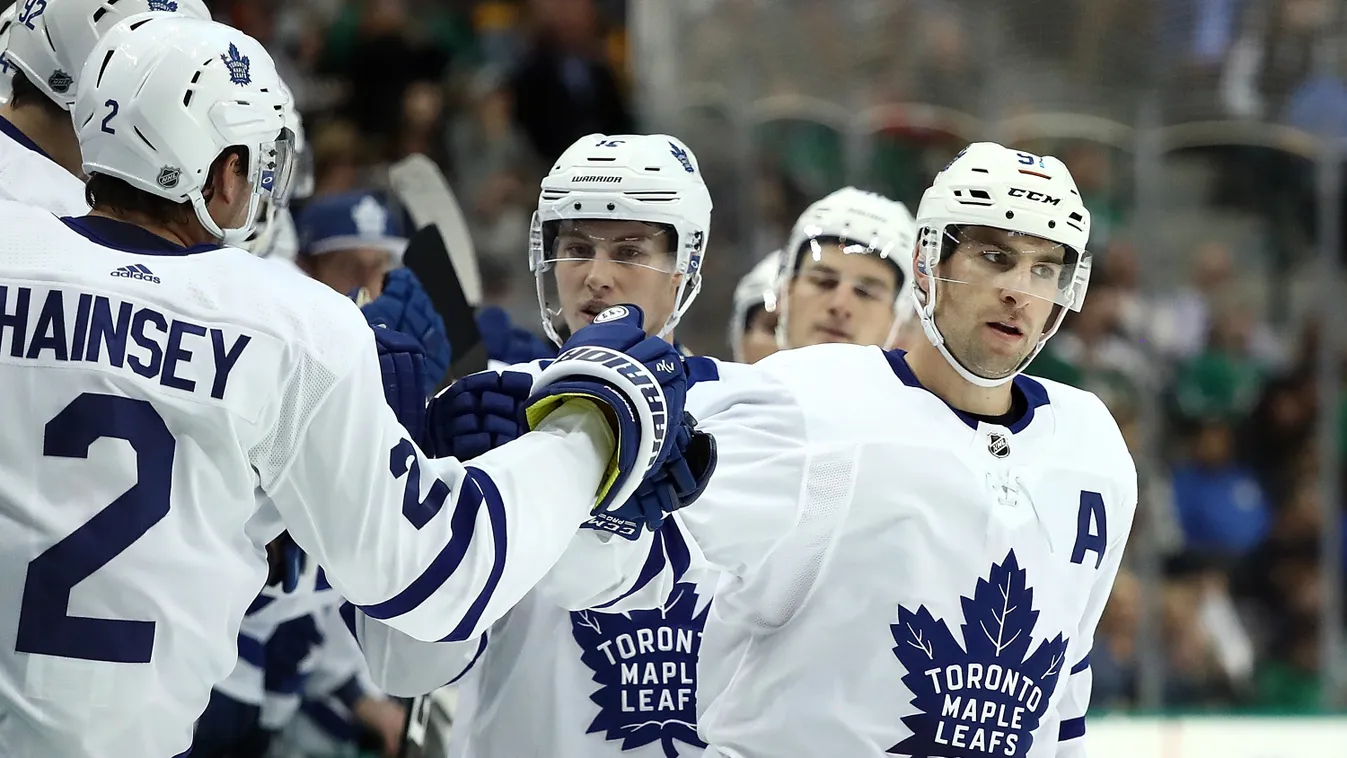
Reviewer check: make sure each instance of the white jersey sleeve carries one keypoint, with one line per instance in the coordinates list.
(434, 548)
(403, 666)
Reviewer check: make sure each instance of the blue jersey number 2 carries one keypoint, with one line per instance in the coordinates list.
(45, 625)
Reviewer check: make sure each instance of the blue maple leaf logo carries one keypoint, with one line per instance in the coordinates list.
(646, 665)
(163, 5)
(987, 696)
(682, 156)
(238, 66)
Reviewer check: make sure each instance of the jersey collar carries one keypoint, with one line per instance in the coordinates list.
(127, 237)
(1034, 394)
(12, 131)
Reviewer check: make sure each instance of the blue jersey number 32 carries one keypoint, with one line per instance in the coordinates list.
(45, 625)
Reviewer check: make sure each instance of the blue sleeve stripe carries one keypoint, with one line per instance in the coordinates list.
(253, 652)
(260, 602)
(347, 612)
(680, 558)
(654, 564)
(1071, 729)
(476, 487)
(495, 511)
(321, 583)
(1083, 665)
(481, 648)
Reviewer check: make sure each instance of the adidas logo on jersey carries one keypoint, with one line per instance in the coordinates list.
(136, 271)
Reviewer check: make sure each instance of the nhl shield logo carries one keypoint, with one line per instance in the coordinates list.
(60, 82)
(998, 445)
(168, 177)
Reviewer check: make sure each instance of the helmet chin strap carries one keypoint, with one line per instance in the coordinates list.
(926, 312)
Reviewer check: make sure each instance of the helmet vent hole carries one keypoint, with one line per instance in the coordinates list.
(106, 60)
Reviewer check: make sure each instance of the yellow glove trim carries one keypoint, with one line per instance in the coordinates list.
(535, 414)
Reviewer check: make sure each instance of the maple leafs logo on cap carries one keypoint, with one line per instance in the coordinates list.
(987, 696)
(646, 664)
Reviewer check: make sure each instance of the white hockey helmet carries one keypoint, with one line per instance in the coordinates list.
(652, 178)
(275, 235)
(988, 185)
(865, 223)
(757, 288)
(52, 38)
(162, 96)
(6, 68)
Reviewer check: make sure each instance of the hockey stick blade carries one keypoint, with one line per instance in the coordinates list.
(422, 189)
(426, 257)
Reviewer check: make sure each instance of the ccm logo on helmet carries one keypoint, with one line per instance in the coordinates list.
(639, 376)
(1037, 197)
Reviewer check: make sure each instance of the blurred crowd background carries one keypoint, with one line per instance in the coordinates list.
(1205, 136)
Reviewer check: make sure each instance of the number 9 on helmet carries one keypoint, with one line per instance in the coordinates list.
(161, 97)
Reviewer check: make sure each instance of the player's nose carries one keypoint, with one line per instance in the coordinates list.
(600, 274)
(841, 302)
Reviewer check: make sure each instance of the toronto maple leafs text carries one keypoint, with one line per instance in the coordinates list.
(653, 686)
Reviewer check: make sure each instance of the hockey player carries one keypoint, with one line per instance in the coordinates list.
(845, 275)
(621, 218)
(753, 314)
(952, 615)
(48, 44)
(171, 407)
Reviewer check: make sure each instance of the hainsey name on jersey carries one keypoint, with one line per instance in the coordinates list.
(56, 326)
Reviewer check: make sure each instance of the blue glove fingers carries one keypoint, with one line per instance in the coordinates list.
(516, 384)
(498, 404)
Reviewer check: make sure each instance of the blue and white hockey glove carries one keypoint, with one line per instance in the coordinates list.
(405, 307)
(639, 380)
(677, 483)
(483, 411)
(402, 362)
(506, 342)
(477, 413)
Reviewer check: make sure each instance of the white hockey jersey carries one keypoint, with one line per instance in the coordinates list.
(902, 578)
(29, 175)
(167, 412)
(617, 679)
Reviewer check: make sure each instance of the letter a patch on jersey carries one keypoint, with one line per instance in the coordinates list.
(985, 697)
(646, 662)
